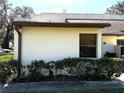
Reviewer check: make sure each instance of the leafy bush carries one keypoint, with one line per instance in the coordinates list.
(102, 69)
(68, 62)
(87, 70)
(9, 71)
(34, 70)
(110, 66)
(84, 69)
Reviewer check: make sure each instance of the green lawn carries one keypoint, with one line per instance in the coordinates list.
(82, 91)
(6, 58)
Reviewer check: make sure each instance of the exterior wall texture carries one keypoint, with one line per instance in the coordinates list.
(50, 43)
(109, 43)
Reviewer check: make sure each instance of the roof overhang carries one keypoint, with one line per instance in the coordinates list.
(90, 19)
(112, 34)
(46, 24)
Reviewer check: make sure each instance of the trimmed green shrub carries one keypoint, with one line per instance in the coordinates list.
(69, 62)
(87, 70)
(110, 66)
(103, 69)
(84, 69)
(34, 70)
(9, 71)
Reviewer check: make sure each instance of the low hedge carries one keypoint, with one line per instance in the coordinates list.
(102, 69)
(84, 69)
(70, 62)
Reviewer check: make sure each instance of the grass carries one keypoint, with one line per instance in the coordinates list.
(6, 58)
(81, 91)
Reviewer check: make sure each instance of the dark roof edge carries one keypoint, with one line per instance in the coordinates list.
(46, 24)
(112, 34)
(94, 19)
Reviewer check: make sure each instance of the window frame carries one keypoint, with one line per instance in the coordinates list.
(120, 40)
(88, 45)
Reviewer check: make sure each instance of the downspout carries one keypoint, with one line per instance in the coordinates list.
(17, 28)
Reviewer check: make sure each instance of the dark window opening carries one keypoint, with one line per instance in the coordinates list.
(120, 42)
(122, 50)
(87, 45)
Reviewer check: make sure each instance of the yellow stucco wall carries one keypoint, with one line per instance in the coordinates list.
(50, 43)
(109, 43)
(120, 37)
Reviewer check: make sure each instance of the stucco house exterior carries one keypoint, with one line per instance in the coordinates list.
(54, 36)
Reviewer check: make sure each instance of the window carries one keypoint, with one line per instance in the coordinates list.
(120, 42)
(87, 45)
